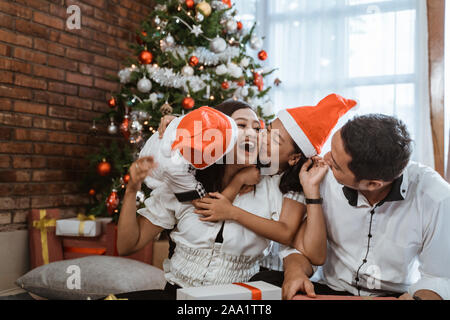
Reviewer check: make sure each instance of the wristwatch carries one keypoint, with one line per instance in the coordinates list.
(314, 201)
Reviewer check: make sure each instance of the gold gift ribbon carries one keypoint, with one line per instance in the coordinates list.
(82, 217)
(113, 297)
(42, 225)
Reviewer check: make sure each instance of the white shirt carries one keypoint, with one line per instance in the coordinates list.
(404, 246)
(197, 259)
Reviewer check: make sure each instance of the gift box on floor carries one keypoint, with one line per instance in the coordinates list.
(81, 226)
(45, 246)
(104, 244)
(324, 297)
(258, 290)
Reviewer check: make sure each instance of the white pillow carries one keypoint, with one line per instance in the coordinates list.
(91, 277)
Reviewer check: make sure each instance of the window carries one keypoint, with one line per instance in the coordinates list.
(371, 50)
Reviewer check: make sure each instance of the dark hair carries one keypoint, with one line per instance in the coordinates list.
(290, 179)
(380, 147)
(212, 177)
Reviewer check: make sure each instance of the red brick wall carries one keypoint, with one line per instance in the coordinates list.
(53, 82)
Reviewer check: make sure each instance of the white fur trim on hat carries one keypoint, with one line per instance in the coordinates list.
(297, 134)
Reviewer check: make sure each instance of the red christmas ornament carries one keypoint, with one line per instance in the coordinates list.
(227, 2)
(126, 178)
(241, 82)
(262, 55)
(263, 124)
(139, 37)
(104, 168)
(112, 103)
(225, 85)
(258, 81)
(146, 57)
(193, 61)
(112, 202)
(188, 103)
(124, 127)
(92, 192)
(239, 25)
(190, 4)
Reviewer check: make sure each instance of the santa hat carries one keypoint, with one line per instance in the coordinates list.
(310, 127)
(204, 136)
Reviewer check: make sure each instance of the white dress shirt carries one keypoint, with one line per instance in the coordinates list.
(400, 245)
(198, 260)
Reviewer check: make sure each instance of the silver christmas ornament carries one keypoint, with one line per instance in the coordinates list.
(218, 45)
(170, 41)
(135, 127)
(256, 43)
(112, 129)
(187, 71)
(200, 17)
(231, 26)
(157, 20)
(144, 85)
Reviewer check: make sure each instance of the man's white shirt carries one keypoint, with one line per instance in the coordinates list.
(400, 245)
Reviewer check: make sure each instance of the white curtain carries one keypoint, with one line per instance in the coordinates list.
(373, 50)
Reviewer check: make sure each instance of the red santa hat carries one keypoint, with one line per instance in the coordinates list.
(311, 126)
(204, 136)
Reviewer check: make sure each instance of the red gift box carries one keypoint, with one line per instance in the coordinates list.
(105, 244)
(324, 297)
(45, 246)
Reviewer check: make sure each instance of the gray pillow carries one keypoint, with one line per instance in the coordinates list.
(91, 277)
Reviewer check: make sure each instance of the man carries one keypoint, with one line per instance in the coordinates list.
(390, 216)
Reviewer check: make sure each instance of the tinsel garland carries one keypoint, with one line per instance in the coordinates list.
(205, 56)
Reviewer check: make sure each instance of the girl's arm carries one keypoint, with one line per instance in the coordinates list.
(311, 238)
(248, 176)
(134, 233)
(219, 208)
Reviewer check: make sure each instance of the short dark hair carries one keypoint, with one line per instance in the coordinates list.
(380, 147)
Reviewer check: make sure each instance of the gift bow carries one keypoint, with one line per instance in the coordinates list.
(82, 217)
(42, 226)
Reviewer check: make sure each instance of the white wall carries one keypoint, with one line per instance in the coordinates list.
(447, 88)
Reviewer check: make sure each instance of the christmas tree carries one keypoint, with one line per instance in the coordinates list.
(188, 54)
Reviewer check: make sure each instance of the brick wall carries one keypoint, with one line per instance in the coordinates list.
(53, 82)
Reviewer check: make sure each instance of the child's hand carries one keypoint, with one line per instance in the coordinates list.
(250, 176)
(139, 170)
(165, 121)
(310, 180)
(214, 209)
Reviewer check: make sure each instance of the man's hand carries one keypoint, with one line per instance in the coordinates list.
(214, 209)
(297, 282)
(165, 121)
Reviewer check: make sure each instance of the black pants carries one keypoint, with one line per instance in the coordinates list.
(169, 293)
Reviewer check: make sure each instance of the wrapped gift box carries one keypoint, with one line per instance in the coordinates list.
(76, 227)
(323, 297)
(45, 246)
(258, 290)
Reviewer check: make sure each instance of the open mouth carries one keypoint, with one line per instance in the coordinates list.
(248, 146)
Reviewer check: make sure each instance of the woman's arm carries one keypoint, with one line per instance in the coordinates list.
(246, 177)
(133, 233)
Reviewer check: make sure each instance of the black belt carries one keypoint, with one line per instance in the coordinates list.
(187, 196)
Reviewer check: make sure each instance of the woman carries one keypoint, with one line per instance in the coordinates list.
(206, 253)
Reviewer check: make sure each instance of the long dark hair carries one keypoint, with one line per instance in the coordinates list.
(290, 180)
(212, 177)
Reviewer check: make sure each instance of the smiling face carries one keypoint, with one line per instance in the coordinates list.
(278, 141)
(246, 148)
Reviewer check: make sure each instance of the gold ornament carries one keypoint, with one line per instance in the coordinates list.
(166, 109)
(204, 8)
